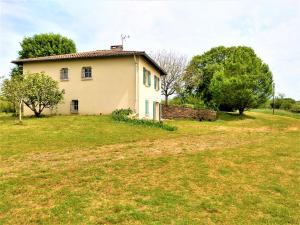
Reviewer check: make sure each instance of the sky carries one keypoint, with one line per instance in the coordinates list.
(271, 28)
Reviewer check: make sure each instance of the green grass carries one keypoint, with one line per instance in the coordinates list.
(278, 112)
(93, 170)
(63, 133)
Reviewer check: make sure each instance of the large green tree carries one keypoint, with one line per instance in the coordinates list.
(243, 81)
(200, 71)
(45, 45)
(233, 77)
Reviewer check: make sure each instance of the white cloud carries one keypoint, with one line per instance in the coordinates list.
(189, 27)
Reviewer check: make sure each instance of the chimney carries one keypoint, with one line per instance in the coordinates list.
(116, 47)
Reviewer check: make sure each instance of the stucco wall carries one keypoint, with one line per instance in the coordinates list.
(147, 93)
(112, 85)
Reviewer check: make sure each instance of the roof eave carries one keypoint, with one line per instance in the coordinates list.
(161, 70)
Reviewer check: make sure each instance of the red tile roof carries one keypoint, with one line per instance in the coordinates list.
(92, 54)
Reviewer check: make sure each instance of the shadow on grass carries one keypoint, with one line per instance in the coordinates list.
(232, 116)
(14, 119)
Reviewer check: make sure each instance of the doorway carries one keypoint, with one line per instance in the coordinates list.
(156, 111)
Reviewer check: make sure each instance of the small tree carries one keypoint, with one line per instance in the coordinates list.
(13, 91)
(41, 92)
(37, 91)
(174, 64)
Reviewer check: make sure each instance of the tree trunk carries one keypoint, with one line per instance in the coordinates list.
(166, 99)
(37, 114)
(241, 111)
(20, 111)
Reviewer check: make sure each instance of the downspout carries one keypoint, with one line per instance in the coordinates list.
(136, 105)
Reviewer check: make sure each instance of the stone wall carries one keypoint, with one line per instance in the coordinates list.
(181, 112)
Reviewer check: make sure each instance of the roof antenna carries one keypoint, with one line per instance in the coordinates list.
(124, 37)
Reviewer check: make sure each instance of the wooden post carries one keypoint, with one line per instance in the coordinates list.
(273, 98)
(20, 111)
(160, 111)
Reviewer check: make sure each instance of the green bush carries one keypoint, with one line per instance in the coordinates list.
(295, 108)
(188, 105)
(6, 106)
(123, 115)
(287, 104)
(188, 101)
(282, 103)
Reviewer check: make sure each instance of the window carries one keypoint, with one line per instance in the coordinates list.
(64, 74)
(86, 73)
(149, 79)
(146, 107)
(74, 106)
(146, 77)
(156, 83)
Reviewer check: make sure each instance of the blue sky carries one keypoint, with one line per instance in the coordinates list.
(271, 28)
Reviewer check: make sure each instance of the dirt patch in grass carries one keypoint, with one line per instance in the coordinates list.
(292, 128)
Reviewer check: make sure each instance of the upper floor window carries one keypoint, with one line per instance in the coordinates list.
(146, 77)
(156, 83)
(86, 73)
(64, 74)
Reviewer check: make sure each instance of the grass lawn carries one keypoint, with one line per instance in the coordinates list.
(279, 112)
(92, 170)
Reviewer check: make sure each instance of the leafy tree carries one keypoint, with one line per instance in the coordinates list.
(6, 106)
(174, 64)
(13, 91)
(281, 102)
(231, 78)
(296, 107)
(45, 45)
(37, 91)
(16, 71)
(241, 81)
(41, 92)
(200, 71)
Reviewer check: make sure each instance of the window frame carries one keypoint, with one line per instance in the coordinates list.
(149, 79)
(63, 72)
(84, 72)
(156, 83)
(146, 77)
(73, 106)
